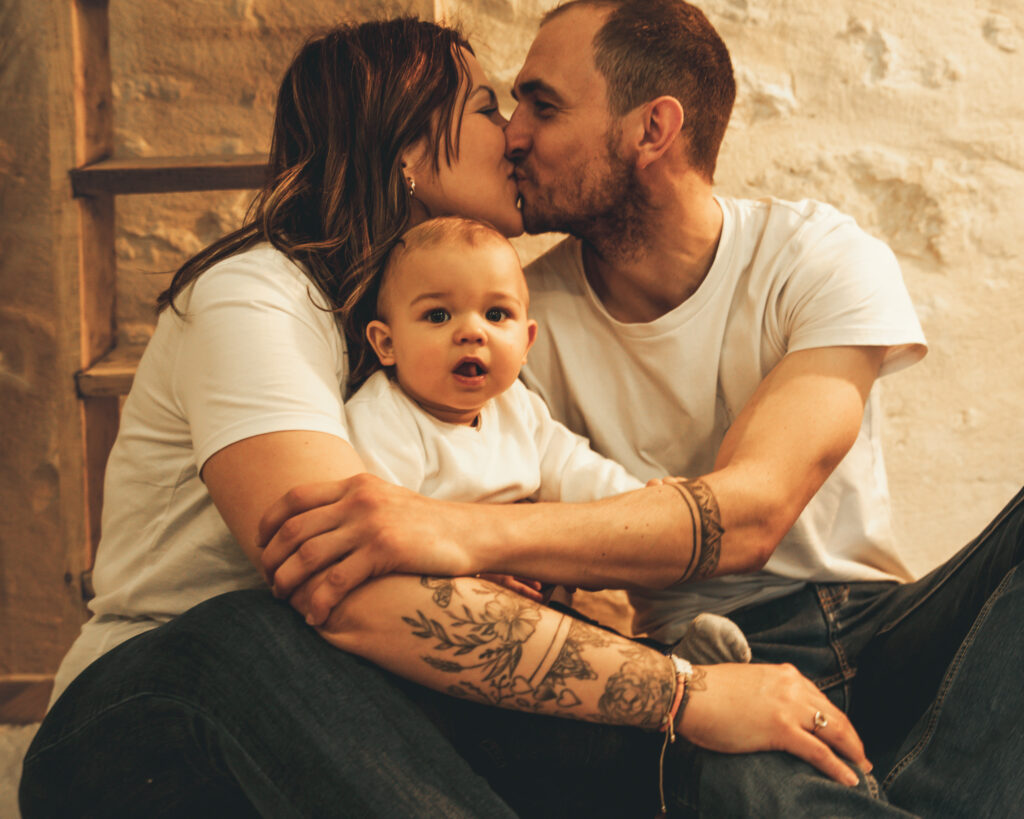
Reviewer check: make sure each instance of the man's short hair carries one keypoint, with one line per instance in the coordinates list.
(650, 48)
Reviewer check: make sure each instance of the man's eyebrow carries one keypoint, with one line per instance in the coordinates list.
(531, 87)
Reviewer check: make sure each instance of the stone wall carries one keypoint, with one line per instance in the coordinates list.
(906, 114)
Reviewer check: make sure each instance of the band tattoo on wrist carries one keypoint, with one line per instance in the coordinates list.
(707, 536)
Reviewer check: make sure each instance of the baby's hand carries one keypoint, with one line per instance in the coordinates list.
(666, 481)
(520, 585)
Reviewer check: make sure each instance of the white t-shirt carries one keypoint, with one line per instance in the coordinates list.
(659, 396)
(254, 352)
(515, 452)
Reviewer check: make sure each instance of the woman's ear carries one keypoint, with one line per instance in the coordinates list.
(379, 336)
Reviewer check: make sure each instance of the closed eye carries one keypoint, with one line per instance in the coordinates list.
(541, 108)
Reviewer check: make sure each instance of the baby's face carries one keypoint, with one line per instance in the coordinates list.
(458, 326)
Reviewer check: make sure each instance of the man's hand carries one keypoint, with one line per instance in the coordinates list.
(355, 529)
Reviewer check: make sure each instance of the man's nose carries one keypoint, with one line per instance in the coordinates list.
(517, 142)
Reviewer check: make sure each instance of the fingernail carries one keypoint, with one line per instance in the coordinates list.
(851, 779)
(309, 620)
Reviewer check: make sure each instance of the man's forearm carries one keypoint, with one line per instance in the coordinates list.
(470, 638)
(651, 538)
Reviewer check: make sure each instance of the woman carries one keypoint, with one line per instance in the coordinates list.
(179, 700)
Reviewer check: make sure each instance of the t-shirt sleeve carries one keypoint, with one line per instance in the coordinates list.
(385, 434)
(846, 289)
(257, 355)
(570, 471)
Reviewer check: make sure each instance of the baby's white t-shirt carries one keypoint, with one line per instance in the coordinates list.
(516, 451)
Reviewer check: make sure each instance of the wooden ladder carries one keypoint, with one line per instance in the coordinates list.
(108, 369)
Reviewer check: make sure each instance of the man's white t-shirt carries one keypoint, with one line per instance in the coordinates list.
(659, 396)
(255, 351)
(516, 451)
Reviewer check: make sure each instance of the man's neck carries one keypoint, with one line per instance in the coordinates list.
(649, 278)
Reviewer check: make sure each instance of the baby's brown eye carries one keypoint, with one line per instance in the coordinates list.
(496, 314)
(437, 316)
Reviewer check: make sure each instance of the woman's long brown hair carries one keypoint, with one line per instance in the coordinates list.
(335, 199)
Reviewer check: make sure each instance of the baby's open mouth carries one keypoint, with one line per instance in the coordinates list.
(470, 369)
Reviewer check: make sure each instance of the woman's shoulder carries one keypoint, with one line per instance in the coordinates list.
(261, 272)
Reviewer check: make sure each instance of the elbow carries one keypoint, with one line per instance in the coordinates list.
(759, 542)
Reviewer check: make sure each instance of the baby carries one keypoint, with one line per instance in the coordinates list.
(447, 416)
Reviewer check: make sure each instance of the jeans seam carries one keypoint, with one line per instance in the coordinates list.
(830, 598)
(947, 683)
(977, 543)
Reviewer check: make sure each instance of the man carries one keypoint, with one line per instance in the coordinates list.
(734, 344)
(735, 341)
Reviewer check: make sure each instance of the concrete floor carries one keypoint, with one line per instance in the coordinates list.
(14, 740)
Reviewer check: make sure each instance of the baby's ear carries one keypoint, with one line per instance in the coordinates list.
(531, 336)
(379, 336)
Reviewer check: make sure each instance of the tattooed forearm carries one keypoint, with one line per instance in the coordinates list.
(640, 692)
(707, 529)
(497, 647)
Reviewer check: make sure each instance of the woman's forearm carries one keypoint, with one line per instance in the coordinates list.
(470, 638)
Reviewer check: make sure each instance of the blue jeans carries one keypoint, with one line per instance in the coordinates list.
(931, 673)
(237, 708)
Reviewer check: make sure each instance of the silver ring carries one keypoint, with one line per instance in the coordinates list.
(820, 721)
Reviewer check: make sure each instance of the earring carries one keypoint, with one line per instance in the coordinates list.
(412, 186)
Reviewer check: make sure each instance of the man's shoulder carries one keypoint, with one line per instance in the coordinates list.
(775, 213)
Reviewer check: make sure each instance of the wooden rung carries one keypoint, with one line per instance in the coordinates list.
(169, 174)
(112, 375)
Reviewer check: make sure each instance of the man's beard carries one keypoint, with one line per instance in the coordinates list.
(605, 209)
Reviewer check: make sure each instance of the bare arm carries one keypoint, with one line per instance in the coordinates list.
(797, 426)
(472, 639)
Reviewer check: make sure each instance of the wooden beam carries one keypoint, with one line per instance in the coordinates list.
(112, 375)
(24, 697)
(94, 140)
(169, 175)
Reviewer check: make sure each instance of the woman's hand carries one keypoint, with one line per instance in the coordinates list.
(742, 708)
(355, 529)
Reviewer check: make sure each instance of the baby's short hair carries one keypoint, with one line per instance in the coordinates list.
(441, 230)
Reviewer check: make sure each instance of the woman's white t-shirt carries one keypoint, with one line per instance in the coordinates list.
(255, 351)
